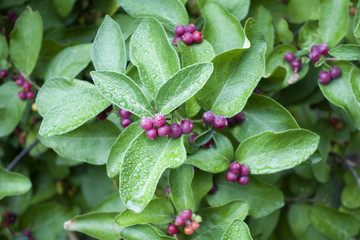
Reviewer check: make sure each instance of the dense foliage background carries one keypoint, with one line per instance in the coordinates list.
(63, 167)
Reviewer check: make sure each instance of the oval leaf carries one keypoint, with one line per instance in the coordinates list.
(346, 52)
(237, 230)
(196, 53)
(13, 183)
(144, 231)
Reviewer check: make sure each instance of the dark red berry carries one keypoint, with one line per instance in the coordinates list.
(151, 133)
(231, 177)
(26, 86)
(175, 130)
(323, 48)
(125, 122)
(179, 221)
(208, 117)
(213, 189)
(208, 144)
(172, 229)
(27, 233)
(187, 38)
(167, 190)
(164, 131)
(190, 28)
(30, 95)
(179, 30)
(244, 170)
(101, 116)
(124, 113)
(22, 95)
(220, 122)
(159, 120)
(188, 230)
(243, 180)
(146, 123)
(235, 167)
(186, 126)
(324, 77)
(334, 121)
(296, 65)
(197, 36)
(3, 73)
(186, 214)
(20, 82)
(289, 57)
(231, 121)
(176, 39)
(335, 72)
(192, 138)
(109, 109)
(240, 117)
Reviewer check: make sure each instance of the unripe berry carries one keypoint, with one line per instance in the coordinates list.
(30, 95)
(186, 214)
(159, 120)
(179, 221)
(197, 36)
(323, 48)
(101, 116)
(235, 167)
(296, 65)
(172, 229)
(179, 30)
(3, 73)
(244, 170)
(175, 130)
(339, 126)
(190, 28)
(240, 117)
(151, 133)
(289, 57)
(243, 180)
(208, 144)
(164, 131)
(192, 138)
(186, 126)
(176, 39)
(146, 123)
(208, 117)
(324, 77)
(335, 72)
(124, 114)
(188, 38)
(125, 122)
(188, 230)
(231, 177)
(22, 95)
(20, 82)
(220, 122)
(198, 219)
(195, 225)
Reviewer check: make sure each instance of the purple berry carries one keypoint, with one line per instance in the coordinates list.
(186, 214)
(164, 131)
(231, 177)
(208, 117)
(244, 170)
(146, 123)
(190, 28)
(27, 233)
(159, 120)
(289, 57)
(125, 122)
(208, 144)
(30, 95)
(240, 117)
(335, 72)
(12, 218)
(296, 65)
(323, 48)
(3, 73)
(220, 122)
(172, 229)
(17, 131)
(22, 95)
(101, 116)
(243, 180)
(192, 138)
(213, 189)
(175, 130)
(26, 86)
(108, 109)
(315, 48)
(124, 113)
(235, 167)
(152, 133)
(20, 82)
(179, 221)
(176, 39)
(187, 38)
(314, 56)
(257, 91)
(10, 14)
(231, 121)
(179, 30)
(197, 36)
(186, 126)
(324, 77)
(167, 190)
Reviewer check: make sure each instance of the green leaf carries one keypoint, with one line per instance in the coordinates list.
(25, 40)
(237, 230)
(239, 8)
(217, 219)
(298, 219)
(214, 159)
(337, 91)
(172, 12)
(263, 114)
(182, 86)
(11, 108)
(143, 165)
(236, 74)
(332, 223)
(282, 31)
(108, 51)
(112, 203)
(180, 180)
(127, 24)
(309, 35)
(350, 195)
(262, 228)
(348, 52)
(64, 7)
(204, 137)
(100, 225)
(223, 32)
(298, 11)
(72, 111)
(4, 50)
(122, 91)
(334, 13)
(195, 53)
(152, 54)
(357, 22)
(144, 231)
(271, 152)
(84, 144)
(201, 185)
(69, 62)
(121, 146)
(158, 211)
(13, 183)
(262, 198)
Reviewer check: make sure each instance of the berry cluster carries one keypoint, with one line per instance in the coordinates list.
(27, 233)
(295, 64)
(26, 93)
(239, 173)
(174, 130)
(325, 77)
(11, 15)
(104, 114)
(336, 123)
(220, 122)
(125, 118)
(187, 34)
(317, 51)
(8, 218)
(190, 220)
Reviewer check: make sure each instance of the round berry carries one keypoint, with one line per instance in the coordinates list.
(175, 130)
(197, 36)
(188, 230)
(257, 91)
(231, 177)
(335, 72)
(22, 95)
(27, 233)
(314, 56)
(220, 122)
(12, 218)
(334, 121)
(30, 95)
(324, 77)
(176, 39)
(323, 48)
(172, 229)
(244, 170)
(10, 14)
(20, 82)
(146, 123)
(3, 73)
(124, 113)
(101, 116)
(243, 180)
(208, 117)
(167, 190)
(125, 122)
(198, 219)
(192, 138)
(151, 133)
(186, 214)
(108, 109)
(235, 167)
(179, 221)
(296, 65)
(208, 144)
(187, 38)
(190, 28)
(187, 223)
(186, 126)
(289, 57)
(26, 86)
(17, 131)
(231, 121)
(164, 131)
(315, 48)
(339, 126)
(159, 120)
(240, 117)
(195, 225)
(179, 30)
(213, 189)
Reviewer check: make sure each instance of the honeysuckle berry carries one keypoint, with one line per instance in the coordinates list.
(195, 225)
(220, 122)
(172, 229)
(213, 189)
(187, 126)
(333, 121)
(190, 28)
(10, 14)
(175, 130)
(13, 20)
(323, 48)
(197, 36)
(167, 190)
(231, 177)
(26, 86)
(101, 116)
(30, 95)
(198, 219)
(235, 167)
(151, 133)
(159, 120)
(108, 109)
(296, 65)
(176, 39)
(289, 57)
(22, 95)
(17, 131)
(231, 121)
(124, 113)
(146, 123)
(179, 221)
(208, 117)
(27, 233)
(192, 138)
(186, 214)
(335, 72)
(125, 122)
(179, 30)
(187, 38)
(257, 91)
(244, 170)
(12, 218)
(314, 56)
(208, 144)
(188, 230)
(3, 73)
(243, 180)
(339, 126)
(164, 131)
(187, 223)
(20, 82)
(240, 117)
(324, 77)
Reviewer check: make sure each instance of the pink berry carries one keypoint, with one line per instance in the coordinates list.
(289, 57)
(220, 122)
(179, 221)
(164, 131)
(159, 120)
(235, 167)
(243, 180)
(176, 39)
(323, 48)
(324, 77)
(335, 72)
(314, 56)
(187, 38)
(244, 170)
(186, 214)
(30, 95)
(296, 65)
(151, 133)
(179, 30)
(3, 73)
(20, 82)
(172, 229)
(231, 177)
(125, 122)
(190, 28)
(101, 116)
(192, 138)
(124, 113)
(186, 126)
(22, 95)
(26, 86)
(146, 123)
(175, 130)
(197, 36)
(208, 117)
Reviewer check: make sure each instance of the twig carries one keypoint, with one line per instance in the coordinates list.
(349, 166)
(29, 80)
(21, 155)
